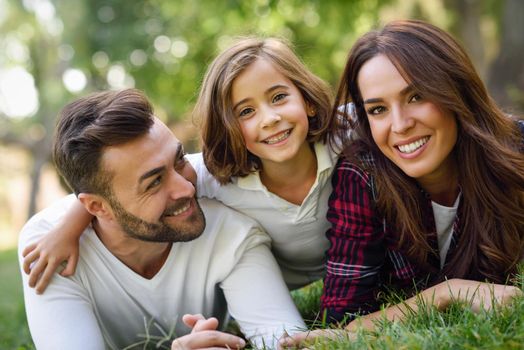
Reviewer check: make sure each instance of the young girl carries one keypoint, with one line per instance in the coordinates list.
(432, 195)
(265, 119)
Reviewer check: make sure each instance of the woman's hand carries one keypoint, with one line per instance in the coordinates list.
(478, 295)
(304, 339)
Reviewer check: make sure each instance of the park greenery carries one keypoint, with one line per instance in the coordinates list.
(52, 51)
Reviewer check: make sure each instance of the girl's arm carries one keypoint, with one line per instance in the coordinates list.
(43, 258)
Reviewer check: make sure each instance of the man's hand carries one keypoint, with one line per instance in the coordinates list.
(205, 336)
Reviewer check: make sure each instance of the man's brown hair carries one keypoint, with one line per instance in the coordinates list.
(88, 125)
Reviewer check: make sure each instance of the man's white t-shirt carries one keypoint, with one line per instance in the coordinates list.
(297, 232)
(106, 305)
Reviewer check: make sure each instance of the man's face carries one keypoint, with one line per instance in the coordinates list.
(153, 197)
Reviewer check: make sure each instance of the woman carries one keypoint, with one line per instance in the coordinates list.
(431, 196)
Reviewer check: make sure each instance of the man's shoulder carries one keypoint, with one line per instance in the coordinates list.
(47, 217)
(224, 221)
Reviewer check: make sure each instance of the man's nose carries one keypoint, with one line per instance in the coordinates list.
(179, 186)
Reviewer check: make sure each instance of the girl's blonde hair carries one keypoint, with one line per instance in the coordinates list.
(224, 149)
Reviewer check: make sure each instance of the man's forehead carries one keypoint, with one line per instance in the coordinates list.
(157, 147)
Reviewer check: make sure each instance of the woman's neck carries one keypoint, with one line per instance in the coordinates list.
(291, 180)
(443, 186)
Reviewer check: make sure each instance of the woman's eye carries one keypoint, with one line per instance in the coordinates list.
(376, 110)
(245, 112)
(415, 98)
(279, 97)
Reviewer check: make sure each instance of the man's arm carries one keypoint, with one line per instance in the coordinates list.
(257, 296)
(63, 317)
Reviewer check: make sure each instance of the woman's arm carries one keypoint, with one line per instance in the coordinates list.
(477, 295)
(43, 258)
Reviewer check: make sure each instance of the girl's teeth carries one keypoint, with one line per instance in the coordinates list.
(277, 138)
(412, 147)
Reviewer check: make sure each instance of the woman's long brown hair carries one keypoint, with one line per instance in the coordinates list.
(489, 151)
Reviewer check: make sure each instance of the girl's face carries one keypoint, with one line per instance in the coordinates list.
(411, 131)
(272, 113)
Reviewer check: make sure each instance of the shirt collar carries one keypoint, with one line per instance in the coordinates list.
(326, 159)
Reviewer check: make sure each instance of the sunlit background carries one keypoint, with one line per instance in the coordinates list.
(54, 51)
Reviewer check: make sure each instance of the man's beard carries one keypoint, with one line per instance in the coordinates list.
(160, 232)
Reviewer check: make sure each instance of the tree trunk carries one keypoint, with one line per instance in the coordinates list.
(506, 76)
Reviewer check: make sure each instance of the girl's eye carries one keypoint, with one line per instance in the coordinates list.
(376, 110)
(415, 98)
(279, 97)
(245, 112)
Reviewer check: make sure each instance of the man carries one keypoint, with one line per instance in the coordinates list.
(150, 255)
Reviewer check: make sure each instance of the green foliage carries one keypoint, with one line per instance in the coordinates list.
(456, 328)
(14, 333)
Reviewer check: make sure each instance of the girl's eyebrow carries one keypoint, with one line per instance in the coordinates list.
(403, 92)
(268, 91)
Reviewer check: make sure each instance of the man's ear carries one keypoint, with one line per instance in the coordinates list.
(96, 205)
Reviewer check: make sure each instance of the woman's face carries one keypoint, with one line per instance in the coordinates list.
(411, 131)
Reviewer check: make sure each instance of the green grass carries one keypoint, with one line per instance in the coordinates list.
(456, 328)
(14, 333)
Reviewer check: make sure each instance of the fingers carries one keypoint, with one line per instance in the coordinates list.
(46, 276)
(30, 255)
(71, 266)
(29, 249)
(190, 319)
(199, 323)
(208, 339)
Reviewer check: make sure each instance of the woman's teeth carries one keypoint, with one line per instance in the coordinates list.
(412, 147)
(277, 138)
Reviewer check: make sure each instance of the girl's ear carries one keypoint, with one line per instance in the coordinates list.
(96, 205)
(310, 110)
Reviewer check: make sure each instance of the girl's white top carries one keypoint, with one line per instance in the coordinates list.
(297, 231)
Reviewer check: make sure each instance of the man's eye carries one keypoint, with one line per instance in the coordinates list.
(376, 110)
(155, 182)
(180, 163)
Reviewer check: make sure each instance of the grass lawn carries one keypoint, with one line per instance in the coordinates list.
(457, 328)
(14, 333)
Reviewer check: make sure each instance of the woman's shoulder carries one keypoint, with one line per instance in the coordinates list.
(356, 166)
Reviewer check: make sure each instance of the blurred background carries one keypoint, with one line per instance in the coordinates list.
(52, 51)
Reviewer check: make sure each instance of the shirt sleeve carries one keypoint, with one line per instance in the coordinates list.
(207, 185)
(257, 296)
(357, 250)
(62, 317)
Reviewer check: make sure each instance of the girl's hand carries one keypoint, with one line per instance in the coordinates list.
(43, 258)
